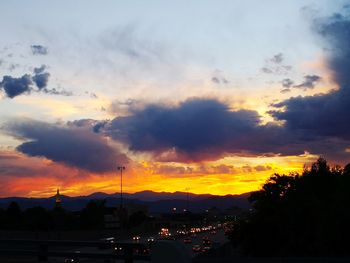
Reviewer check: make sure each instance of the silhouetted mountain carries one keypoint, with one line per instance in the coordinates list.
(97, 195)
(155, 196)
(157, 202)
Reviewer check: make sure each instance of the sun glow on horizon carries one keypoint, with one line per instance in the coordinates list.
(230, 175)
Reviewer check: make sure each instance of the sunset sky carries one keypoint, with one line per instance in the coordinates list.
(210, 96)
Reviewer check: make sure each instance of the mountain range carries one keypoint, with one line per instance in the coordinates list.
(158, 202)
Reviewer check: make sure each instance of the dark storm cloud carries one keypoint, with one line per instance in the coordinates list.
(16, 86)
(309, 82)
(199, 129)
(74, 147)
(325, 116)
(39, 50)
(192, 126)
(206, 129)
(336, 31)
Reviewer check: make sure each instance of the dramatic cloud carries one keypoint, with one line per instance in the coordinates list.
(15, 164)
(193, 127)
(326, 116)
(336, 31)
(198, 129)
(38, 50)
(74, 147)
(206, 129)
(16, 86)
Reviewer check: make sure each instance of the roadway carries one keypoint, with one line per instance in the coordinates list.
(216, 239)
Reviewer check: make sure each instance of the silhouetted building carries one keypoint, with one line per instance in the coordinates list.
(58, 199)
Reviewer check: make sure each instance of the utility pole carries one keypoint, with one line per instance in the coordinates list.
(121, 169)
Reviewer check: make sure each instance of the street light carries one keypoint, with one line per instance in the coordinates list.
(121, 169)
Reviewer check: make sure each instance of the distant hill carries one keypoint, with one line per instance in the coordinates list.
(158, 202)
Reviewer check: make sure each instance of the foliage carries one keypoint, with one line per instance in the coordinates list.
(41, 219)
(92, 216)
(299, 215)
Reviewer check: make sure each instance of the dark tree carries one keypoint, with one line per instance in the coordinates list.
(37, 218)
(299, 215)
(13, 216)
(92, 216)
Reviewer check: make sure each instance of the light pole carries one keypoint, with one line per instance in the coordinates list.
(121, 168)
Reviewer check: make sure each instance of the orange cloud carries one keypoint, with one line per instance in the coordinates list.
(39, 177)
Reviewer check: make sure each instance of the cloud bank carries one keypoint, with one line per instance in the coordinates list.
(75, 147)
(324, 114)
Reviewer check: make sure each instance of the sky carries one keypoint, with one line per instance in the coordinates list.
(200, 96)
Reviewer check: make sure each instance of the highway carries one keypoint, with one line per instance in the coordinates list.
(217, 239)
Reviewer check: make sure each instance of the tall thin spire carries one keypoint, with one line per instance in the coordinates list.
(58, 197)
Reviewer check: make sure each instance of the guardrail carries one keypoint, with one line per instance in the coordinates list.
(42, 249)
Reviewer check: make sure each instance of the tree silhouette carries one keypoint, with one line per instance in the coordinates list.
(299, 215)
(92, 216)
(13, 216)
